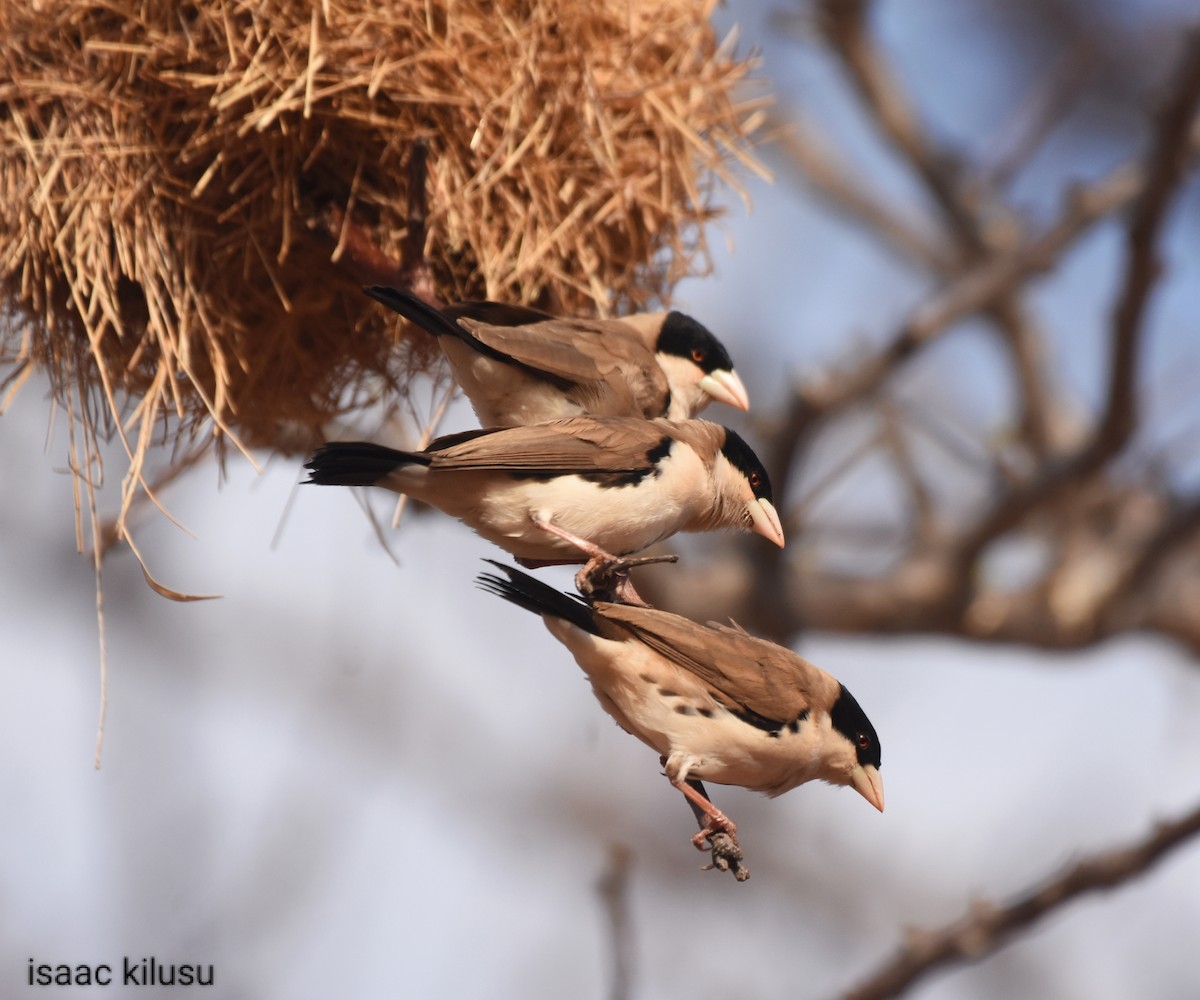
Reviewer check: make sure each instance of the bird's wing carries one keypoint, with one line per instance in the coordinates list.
(579, 350)
(576, 444)
(746, 673)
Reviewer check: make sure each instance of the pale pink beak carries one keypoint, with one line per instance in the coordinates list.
(765, 521)
(725, 387)
(868, 784)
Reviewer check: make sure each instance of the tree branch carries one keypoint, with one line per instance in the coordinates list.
(986, 928)
(835, 181)
(1164, 171)
(844, 25)
(978, 288)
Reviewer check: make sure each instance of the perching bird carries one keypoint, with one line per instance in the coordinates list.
(519, 365)
(717, 703)
(585, 487)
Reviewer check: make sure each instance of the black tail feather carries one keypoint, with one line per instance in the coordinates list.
(444, 323)
(356, 463)
(497, 313)
(416, 310)
(531, 594)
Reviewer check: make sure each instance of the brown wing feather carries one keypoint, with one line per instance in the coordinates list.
(583, 351)
(769, 680)
(576, 444)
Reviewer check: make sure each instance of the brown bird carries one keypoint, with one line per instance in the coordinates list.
(585, 486)
(519, 365)
(717, 703)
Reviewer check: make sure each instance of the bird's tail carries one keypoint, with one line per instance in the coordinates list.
(531, 594)
(357, 463)
(445, 324)
(416, 310)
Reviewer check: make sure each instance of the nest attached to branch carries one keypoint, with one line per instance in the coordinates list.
(194, 192)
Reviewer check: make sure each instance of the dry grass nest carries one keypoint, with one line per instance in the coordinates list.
(195, 192)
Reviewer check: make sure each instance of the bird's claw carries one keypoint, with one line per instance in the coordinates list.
(718, 825)
(606, 578)
(727, 856)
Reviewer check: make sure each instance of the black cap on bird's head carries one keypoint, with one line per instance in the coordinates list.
(760, 511)
(684, 337)
(741, 456)
(848, 719)
(851, 721)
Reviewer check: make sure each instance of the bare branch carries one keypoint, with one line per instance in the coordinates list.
(979, 288)
(844, 25)
(987, 928)
(1164, 172)
(1046, 104)
(1177, 530)
(1167, 163)
(920, 499)
(836, 182)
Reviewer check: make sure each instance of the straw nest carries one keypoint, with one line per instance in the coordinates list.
(194, 192)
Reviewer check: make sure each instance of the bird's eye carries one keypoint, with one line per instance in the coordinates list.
(864, 741)
(755, 480)
(698, 355)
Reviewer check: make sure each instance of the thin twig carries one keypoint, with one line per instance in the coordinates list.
(982, 286)
(1043, 108)
(844, 23)
(987, 928)
(841, 189)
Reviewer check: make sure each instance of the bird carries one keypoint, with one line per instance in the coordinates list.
(596, 487)
(715, 702)
(518, 365)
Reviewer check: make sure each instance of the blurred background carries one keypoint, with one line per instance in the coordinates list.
(358, 776)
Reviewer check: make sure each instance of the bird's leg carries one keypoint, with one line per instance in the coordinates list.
(604, 576)
(711, 818)
(715, 827)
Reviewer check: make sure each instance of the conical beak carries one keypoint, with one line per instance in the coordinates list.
(868, 784)
(725, 387)
(765, 521)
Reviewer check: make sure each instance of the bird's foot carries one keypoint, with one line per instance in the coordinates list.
(716, 828)
(606, 578)
(727, 856)
(718, 825)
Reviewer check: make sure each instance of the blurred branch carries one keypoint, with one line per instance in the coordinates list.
(1045, 106)
(844, 24)
(836, 181)
(981, 286)
(1177, 530)
(1164, 171)
(1059, 493)
(973, 225)
(987, 928)
(613, 888)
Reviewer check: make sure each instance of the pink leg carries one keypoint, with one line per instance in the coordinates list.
(603, 575)
(716, 821)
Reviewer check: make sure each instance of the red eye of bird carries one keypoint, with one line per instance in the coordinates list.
(755, 479)
(698, 355)
(864, 741)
